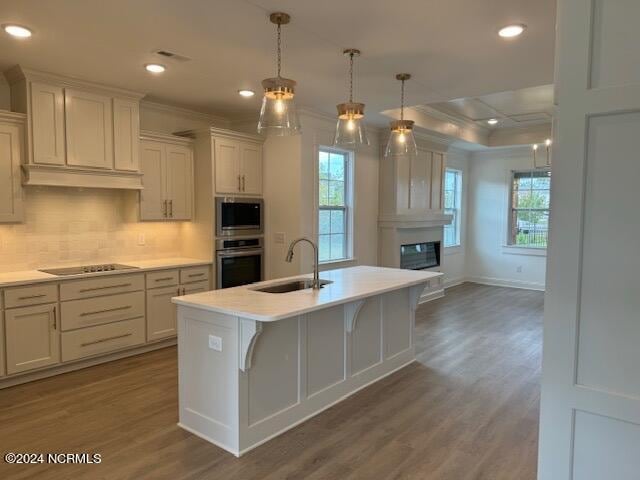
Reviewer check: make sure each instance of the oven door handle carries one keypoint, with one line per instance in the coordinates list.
(244, 253)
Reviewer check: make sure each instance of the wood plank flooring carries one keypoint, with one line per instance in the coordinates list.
(468, 409)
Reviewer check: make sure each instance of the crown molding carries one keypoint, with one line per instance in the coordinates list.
(184, 112)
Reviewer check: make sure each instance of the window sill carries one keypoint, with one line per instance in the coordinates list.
(528, 251)
(454, 250)
(336, 263)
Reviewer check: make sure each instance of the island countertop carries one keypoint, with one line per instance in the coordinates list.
(348, 284)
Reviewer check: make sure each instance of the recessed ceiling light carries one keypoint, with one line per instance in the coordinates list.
(246, 93)
(492, 121)
(154, 68)
(17, 30)
(511, 31)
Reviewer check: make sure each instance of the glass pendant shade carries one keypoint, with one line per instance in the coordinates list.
(401, 140)
(350, 130)
(279, 115)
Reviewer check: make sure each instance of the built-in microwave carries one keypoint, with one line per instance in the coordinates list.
(239, 216)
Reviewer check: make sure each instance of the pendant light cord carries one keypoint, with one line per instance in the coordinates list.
(351, 77)
(279, 48)
(402, 101)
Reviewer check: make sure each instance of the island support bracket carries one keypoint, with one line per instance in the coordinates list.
(351, 311)
(248, 332)
(415, 293)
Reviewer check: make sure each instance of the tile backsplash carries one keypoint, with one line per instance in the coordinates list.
(71, 226)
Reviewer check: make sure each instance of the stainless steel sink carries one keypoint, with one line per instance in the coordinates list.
(290, 286)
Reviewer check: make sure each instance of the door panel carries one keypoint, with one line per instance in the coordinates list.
(10, 187)
(227, 166)
(161, 313)
(251, 169)
(89, 129)
(179, 182)
(152, 206)
(420, 187)
(47, 124)
(33, 340)
(126, 133)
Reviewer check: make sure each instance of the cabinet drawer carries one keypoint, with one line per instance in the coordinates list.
(31, 295)
(195, 288)
(194, 274)
(165, 278)
(96, 311)
(102, 339)
(101, 286)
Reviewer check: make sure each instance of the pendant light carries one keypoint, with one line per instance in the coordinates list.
(349, 130)
(401, 140)
(278, 115)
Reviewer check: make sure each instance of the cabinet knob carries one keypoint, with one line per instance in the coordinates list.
(243, 184)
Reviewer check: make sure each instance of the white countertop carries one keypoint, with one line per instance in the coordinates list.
(349, 284)
(10, 279)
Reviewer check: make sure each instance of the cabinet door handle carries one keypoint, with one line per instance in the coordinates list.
(192, 275)
(164, 208)
(28, 297)
(97, 312)
(171, 208)
(55, 318)
(239, 184)
(184, 291)
(163, 279)
(243, 184)
(93, 289)
(102, 340)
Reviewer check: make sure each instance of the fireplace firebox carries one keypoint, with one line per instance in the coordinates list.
(418, 256)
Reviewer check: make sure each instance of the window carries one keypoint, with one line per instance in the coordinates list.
(529, 212)
(453, 206)
(334, 215)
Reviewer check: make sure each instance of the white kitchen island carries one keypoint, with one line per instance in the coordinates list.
(254, 364)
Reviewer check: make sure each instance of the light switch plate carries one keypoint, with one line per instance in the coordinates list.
(279, 237)
(215, 343)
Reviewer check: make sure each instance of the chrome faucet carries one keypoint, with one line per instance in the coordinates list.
(316, 273)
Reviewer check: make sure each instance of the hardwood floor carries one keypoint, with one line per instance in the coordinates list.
(468, 409)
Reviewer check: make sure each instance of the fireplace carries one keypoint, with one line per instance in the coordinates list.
(418, 256)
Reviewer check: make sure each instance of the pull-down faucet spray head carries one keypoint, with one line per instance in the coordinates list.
(289, 256)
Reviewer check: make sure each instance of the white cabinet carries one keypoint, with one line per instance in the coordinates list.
(3, 371)
(167, 168)
(32, 337)
(11, 142)
(161, 313)
(47, 124)
(238, 166)
(126, 132)
(89, 129)
(80, 134)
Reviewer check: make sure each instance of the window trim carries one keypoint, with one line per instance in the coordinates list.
(451, 249)
(513, 248)
(349, 204)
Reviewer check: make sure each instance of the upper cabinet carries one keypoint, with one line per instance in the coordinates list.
(167, 168)
(80, 134)
(11, 148)
(237, 163)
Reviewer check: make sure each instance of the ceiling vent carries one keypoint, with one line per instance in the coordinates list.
(171, 55)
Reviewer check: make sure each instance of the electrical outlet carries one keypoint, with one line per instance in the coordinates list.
(519, 269)
(142, 240)
(279, 238)
(215, 343)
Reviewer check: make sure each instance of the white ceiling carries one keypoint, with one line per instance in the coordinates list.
(451, 47)
(515, 108)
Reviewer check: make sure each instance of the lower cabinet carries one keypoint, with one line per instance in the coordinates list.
(32, 337)
(161, 313)
(3, 371)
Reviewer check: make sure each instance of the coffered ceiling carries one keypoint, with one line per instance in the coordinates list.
(451, 48)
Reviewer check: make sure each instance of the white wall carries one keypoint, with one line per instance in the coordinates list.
(290, 176)
(455, 258)
(488, 260)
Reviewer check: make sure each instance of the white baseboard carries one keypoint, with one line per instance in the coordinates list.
(452, 282)
(433, 295)
(506, 282)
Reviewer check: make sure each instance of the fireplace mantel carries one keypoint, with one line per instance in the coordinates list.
(400, 221)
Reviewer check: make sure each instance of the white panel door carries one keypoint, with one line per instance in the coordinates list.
(47, 124)
(251, 168)
(227, 166)
(89, 129)
(10, 159)
(179, 182)
(152, 164)
(590, 408)
(126, 133)
(33, 338)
